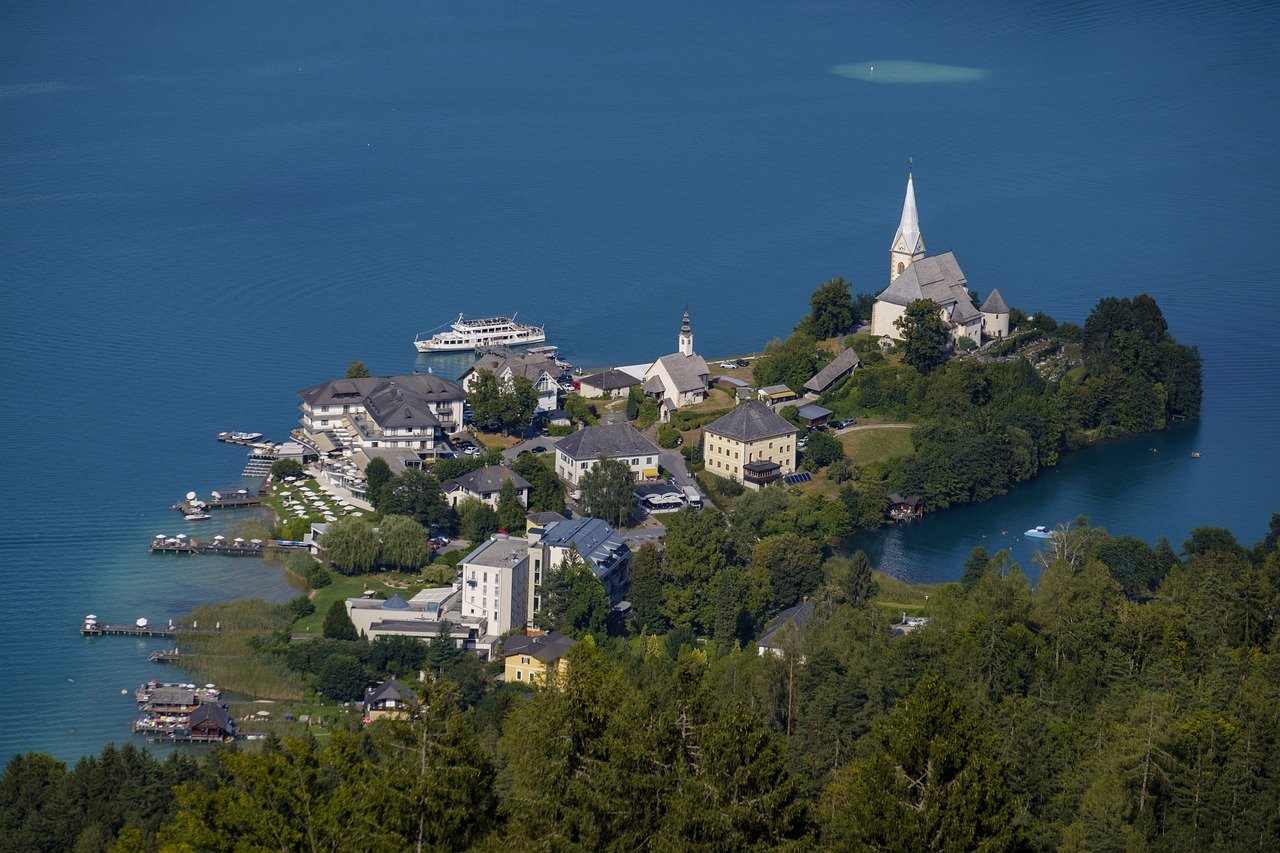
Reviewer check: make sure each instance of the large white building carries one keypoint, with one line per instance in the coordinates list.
(411, 412)
(913, 275)
(579, 452)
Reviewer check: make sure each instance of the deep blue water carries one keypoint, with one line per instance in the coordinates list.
(208, 206)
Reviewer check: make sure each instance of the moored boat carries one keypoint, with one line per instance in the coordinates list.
(485, 332)
(1039, 532)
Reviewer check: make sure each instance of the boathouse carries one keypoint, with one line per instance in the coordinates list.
(903, 507)
(211, 722)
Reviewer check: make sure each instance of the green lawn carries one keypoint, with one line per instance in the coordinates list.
(344, 587)
(868, 446)
(896, 596)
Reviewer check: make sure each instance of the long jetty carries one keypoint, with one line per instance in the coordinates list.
(94, 628)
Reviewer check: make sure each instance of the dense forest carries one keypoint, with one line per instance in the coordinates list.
(1129, 700)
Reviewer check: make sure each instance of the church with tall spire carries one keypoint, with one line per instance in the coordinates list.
(914, 275)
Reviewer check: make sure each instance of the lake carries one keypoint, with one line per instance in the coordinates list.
(209, 206)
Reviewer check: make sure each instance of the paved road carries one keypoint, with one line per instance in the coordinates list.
(640, 535)
(861, 427)
(673, 462)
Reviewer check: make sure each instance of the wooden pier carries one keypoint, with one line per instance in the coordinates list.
(220, 500)
(94, 628)
(102, 630)
(174, 656)
(226, 549)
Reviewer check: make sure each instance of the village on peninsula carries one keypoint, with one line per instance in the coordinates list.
(510, 512)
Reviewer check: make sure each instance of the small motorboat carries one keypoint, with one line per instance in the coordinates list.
(1039, 532)
(1195, 454)
(197, 516)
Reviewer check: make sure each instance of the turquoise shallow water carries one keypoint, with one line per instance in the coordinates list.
(207, 207)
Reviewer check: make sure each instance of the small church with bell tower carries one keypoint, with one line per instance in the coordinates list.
(914, 275)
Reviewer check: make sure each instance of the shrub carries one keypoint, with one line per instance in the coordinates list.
(966, 344)
(282, 468)
(300, 607)
(668, 436)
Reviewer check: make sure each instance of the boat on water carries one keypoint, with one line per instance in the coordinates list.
(1039, 532)
(485, 332)
(199, 515)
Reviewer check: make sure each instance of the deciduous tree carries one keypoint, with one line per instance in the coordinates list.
(350, 545)
(404, 542)
(511, 512)
(924, 337)
(607, 492)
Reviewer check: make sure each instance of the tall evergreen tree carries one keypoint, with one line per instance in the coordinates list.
(337, 624)
(932, 781)
(647, 579)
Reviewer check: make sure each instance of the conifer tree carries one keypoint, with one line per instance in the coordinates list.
(337, 624)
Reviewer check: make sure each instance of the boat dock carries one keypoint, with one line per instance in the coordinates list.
(238, 547)
(174, 656)
(191, 505)
(91, 627)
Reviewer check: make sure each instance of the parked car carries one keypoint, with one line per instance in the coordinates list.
(538, 448)
(845, 424)
(802, 442)
(728, 365)
(742, 362)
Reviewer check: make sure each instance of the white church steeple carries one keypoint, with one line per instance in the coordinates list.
(686, 336)
(908, 245)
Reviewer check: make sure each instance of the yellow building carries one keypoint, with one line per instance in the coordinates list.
(529, 660)
(751, 445)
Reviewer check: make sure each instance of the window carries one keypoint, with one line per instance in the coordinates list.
(524, 661)
(519, 675)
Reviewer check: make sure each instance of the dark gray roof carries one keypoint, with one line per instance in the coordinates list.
(826, 377)
(172, 696)
(395, 602)
(994, 304)
(544, 518)
(546, 649)
(211, 712)
(501, 359)
(799, 616)
(911, 500)
(751, 421)
(487, 479)
(963, 311)
(761, 466)
(938, 278)
(394, 401)
(612, 441)
(813, 412)
(610, 380)
(389, 689)
(595, 540)
(688, 372)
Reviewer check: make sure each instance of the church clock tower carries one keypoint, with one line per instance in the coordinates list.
(908, 245)
(686, 336)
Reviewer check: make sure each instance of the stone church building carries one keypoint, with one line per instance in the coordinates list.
(913, 275)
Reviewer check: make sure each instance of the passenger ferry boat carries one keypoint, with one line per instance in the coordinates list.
(475, 334)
